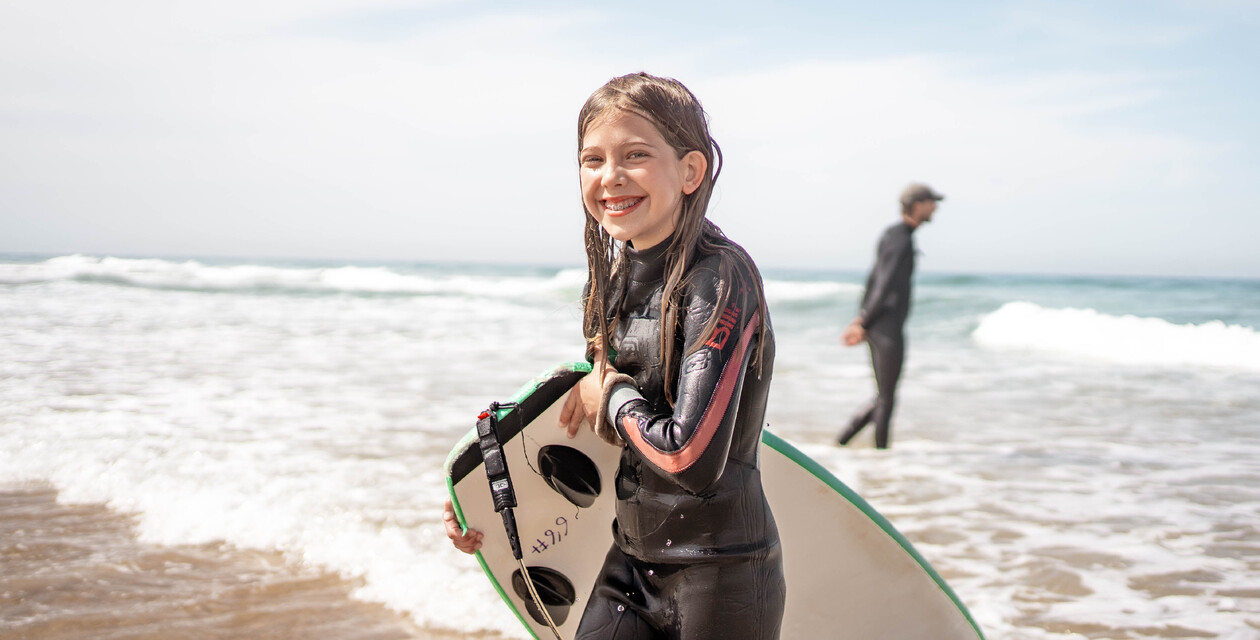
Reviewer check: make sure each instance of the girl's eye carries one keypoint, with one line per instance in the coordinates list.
(589, 160)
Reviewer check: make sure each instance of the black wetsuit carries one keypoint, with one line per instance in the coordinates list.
(696, 552)
(885, 306)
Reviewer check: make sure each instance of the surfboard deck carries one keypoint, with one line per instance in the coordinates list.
(849, 573)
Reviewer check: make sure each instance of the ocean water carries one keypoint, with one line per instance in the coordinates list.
(1078, 457)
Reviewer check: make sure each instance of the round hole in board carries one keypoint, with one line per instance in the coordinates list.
(554, 589)
(571, 473)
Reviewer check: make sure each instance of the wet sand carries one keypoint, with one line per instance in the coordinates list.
(78, 571)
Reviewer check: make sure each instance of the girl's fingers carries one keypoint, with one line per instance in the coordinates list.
(468, 542)
(573, 413)
(452, 525)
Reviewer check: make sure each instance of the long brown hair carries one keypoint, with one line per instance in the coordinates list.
(681, 120)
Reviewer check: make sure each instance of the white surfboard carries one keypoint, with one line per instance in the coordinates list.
(849, 573)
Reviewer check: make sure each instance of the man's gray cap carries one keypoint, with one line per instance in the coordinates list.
(918, 192)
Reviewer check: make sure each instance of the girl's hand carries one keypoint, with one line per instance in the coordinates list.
(468, 542)
(582, 404)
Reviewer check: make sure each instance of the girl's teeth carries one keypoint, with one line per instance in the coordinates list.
(622, 205)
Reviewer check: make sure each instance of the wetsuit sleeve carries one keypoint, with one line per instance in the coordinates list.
(690, 445)
(893, 257)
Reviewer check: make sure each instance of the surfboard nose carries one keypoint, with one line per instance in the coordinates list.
(571, 473)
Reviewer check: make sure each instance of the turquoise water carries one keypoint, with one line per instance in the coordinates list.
(1077, 456)
(955, 300)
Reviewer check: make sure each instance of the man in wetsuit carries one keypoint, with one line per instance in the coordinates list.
(885, 306)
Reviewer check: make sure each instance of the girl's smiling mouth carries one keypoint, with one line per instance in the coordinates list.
(621, 205)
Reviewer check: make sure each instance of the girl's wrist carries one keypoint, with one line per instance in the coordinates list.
(622, 384)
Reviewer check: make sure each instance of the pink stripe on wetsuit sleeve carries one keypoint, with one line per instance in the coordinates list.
(678, 461)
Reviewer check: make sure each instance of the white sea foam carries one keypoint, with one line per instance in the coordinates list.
(802, 291)
(311, 425)
(1122, 339)
(193, 275)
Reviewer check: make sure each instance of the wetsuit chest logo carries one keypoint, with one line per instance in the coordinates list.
(726, 324)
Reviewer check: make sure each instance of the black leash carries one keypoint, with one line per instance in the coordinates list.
(503, 494)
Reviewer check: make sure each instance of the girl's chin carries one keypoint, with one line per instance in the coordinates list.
(618, 232)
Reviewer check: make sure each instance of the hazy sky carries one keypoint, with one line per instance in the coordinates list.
(1092, 137)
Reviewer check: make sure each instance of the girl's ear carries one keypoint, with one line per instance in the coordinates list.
(694, 166)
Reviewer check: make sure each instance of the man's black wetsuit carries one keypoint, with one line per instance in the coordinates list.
(885, 306)
(696, 552)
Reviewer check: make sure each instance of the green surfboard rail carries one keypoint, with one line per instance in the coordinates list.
(524, 392)
(459, 514)
(809, 464)
(768, 439)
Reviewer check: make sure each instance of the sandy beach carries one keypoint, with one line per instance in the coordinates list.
(77, 571)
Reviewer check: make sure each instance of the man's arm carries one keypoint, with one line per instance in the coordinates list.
(894, 249)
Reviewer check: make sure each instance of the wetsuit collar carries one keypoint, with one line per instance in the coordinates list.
(647, 265)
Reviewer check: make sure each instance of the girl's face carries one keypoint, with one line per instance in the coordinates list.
(633, 182)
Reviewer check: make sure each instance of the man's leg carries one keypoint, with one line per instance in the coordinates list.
(867, 412)
(858, 421)
(888, 352)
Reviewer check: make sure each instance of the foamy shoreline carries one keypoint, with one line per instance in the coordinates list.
(75, 571)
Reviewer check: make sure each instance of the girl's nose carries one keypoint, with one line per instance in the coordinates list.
(614, 175)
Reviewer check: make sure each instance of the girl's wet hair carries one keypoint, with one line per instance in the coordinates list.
(682, 122)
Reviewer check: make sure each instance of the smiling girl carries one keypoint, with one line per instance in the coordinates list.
(676, 326)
